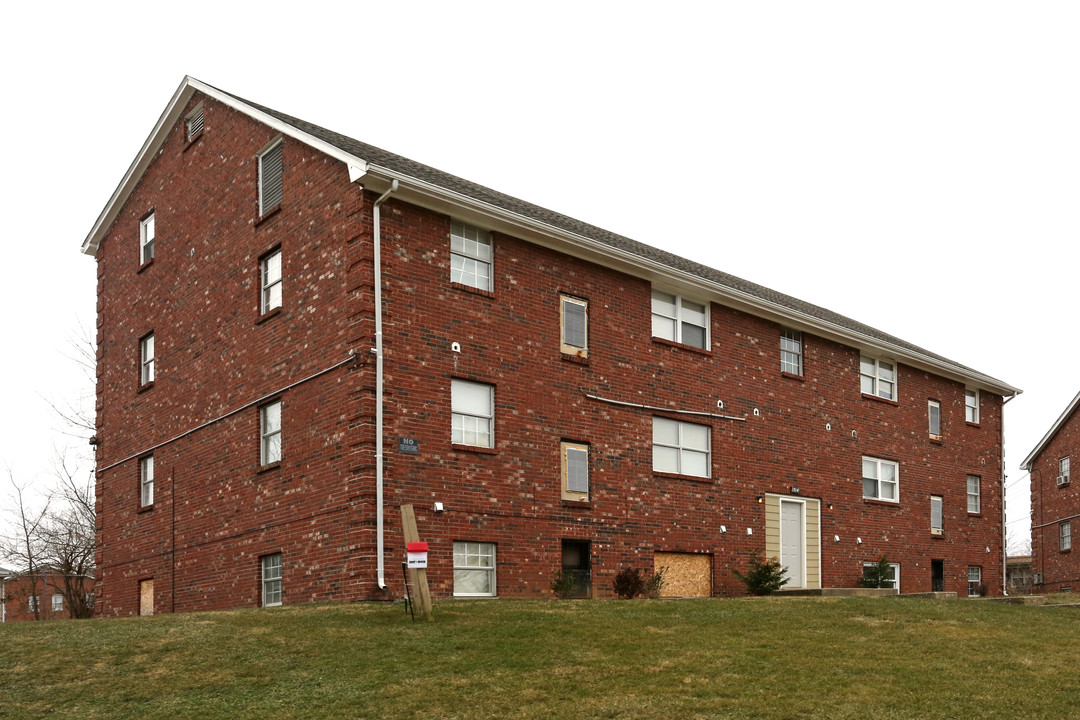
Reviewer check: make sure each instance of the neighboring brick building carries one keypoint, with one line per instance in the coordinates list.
(555, 396)
(1055, 504)
(20, 592)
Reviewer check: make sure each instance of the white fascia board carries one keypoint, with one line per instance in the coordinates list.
(1030, 459)
(594, 251)
(357, 166)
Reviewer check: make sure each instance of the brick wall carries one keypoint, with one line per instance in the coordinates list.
(216, 511)
(1052, 503)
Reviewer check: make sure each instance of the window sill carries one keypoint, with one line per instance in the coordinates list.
(887, 401)
(1064, 484)
(578, 359)
(474, 290)
(681, 346)
(145, 265)
(578, 504)
(937, 440)
(146, 508)
(678, 476)
(267, 215)
(792, 376)
(145, 386)
(266, 316)
(972, 424)
(268, 467)
(474, 448)
(937, 536)
(1066, 551)
(878, 501)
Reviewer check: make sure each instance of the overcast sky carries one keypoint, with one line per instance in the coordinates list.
(911, 165)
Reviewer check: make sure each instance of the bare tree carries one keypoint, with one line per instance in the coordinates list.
(24, 546)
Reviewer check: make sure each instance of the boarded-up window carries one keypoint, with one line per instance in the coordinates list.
(146, 597)
(685, 574)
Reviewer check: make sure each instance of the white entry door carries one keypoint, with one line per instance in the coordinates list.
(792, 542)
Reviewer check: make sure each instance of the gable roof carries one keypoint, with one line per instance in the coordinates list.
(428, 187)
(1058, 424)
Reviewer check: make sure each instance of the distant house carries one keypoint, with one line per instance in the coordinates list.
(299, 333)
(21, 592)
(1018, 574)
(1055, 504)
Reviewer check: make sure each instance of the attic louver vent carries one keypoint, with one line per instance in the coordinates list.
(270, 172)
(194, 123)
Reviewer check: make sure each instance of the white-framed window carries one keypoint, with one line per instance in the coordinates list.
(680, 320)
(146, 239)
(971, 406)
(974, 494)
(681, 447)
(193, 122)
(933, 410)
(57, 602)
(270, 279)
(892, 580)
(937, 515)
(146, 359)
(472, 405)
(974, 580)
(470, 256)
(146, 481)
(791, 351)
(574, 323)
(271, 172)
(32, 603)
(1063, 471)
(271, 579)
(881, 479)
(270, 433)
(1065, 535)
(474, 569)
(877, 377)
(575, 471)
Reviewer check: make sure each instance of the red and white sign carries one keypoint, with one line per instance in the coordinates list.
(417, 552)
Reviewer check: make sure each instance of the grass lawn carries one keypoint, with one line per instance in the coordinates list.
(671, 659)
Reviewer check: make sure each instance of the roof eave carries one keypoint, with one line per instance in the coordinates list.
(1062, 419)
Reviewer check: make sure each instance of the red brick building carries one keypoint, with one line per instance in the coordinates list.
(21, 592)
(280, 305)
(1055, 505)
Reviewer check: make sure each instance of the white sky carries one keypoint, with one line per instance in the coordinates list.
(911, 165)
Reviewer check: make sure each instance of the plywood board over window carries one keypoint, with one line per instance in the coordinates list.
(686, 574)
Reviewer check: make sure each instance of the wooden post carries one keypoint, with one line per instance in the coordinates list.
(418, 577)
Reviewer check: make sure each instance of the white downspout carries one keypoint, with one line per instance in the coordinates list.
(1004, 524)
(379, 540)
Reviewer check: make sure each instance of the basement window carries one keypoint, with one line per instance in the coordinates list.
(271, 579)
(474, 569)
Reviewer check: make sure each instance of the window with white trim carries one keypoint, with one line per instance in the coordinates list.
(937, 515)
(575, 471)
(933, 410)
(271, 173)
(681, 447)
(32, 603)
(892, 580)
(574, 323)
(877, 377)
(974, 494)
(474, 569)
(57, 602)
(881, 479)
(146, 239)
(270, 433)
(1063, 471)
(146, 359)
(974, 581)
(680, 320)
(271, 579)
(1065, 535)
(193, 123)
(971, 406)
(146, 481)
(472, 406)
(470, 256)
(791, 351)
(270, 278)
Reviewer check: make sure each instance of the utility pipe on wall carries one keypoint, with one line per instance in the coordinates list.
(379, 541)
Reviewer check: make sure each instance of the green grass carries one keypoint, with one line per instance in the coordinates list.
(728, 658)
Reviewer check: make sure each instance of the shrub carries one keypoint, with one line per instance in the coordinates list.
(628, 583)
(764, 577)
(876, 575)
(655, 584)
(563, 583)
